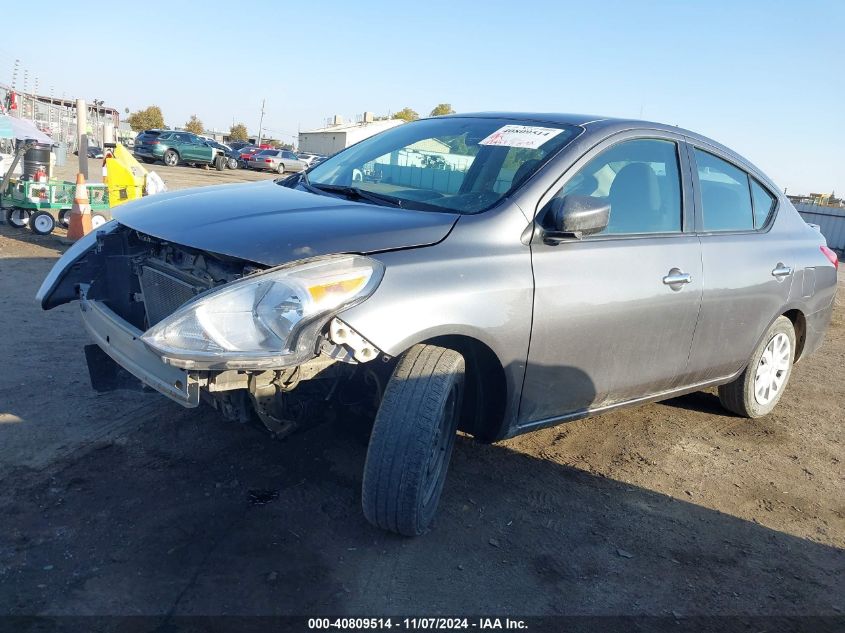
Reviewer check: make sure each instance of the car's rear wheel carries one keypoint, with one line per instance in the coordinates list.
(17, 218)
(758, 389)
(42, 223)
(281, 168)
(412, 440)
(171, 158)
(232, 163)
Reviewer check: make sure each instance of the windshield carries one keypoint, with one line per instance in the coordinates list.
(460, 164)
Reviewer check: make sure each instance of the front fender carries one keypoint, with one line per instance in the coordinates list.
(478, 288)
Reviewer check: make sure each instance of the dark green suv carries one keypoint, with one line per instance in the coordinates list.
(172, 147)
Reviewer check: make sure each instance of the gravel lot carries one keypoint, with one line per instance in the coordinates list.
(125, 503)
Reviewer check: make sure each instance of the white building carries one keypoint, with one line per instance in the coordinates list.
(339, 135)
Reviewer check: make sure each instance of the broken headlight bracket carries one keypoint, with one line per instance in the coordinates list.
(352, 346)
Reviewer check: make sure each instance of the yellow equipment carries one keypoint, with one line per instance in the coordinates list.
(125, 176)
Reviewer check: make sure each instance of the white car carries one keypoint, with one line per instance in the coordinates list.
(310, 159)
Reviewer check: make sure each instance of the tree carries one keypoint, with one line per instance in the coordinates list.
(146, 119)
(441, 109)
(238, 132)
(195, 125)
(406, 114)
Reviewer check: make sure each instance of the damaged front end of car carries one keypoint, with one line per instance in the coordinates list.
(248, 339)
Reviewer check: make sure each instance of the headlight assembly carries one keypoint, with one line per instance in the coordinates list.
(270, 319)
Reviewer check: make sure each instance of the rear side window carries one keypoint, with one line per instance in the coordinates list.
(641, 181)
(764, 204)
(725, 195)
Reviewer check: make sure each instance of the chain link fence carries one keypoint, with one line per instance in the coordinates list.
(56, 117)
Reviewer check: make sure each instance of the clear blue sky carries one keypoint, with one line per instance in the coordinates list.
(763, 77)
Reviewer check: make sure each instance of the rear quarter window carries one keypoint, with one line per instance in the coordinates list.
(764, 204)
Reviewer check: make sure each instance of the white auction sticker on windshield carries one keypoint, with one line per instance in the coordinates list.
(528, 136)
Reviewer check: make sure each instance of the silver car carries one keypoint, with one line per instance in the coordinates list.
(278, 160)
(493, 273)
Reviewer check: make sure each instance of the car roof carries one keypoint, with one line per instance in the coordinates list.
(605, 125)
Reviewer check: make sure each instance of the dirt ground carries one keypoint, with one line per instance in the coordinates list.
(125, 503)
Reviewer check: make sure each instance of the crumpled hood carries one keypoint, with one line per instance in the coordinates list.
(270, 224)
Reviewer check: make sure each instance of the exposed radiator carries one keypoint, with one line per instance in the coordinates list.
(163, 293)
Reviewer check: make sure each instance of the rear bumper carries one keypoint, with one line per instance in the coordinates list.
(122, 342)
(254, 164)
(143, 152)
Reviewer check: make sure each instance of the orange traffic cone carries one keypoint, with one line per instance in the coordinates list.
(80, 212)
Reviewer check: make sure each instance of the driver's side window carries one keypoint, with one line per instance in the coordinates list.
(641, 181)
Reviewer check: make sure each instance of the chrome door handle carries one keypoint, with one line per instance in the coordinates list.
(675, 277)
(781, 271)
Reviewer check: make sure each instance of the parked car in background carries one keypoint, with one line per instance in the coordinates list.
(246, 153)
(94, 151)
(278, 160)
(232, 156)
(565, 266)
(236, 145)
(310, 159)
(173, 147)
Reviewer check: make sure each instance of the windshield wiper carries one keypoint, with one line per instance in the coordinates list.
(301, 179)
(360, 194)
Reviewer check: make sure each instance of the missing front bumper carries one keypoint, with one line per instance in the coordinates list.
(121, 341)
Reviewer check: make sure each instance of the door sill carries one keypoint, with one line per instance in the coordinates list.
(535, 425)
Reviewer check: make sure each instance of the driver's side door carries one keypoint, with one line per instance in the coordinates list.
(615, 312)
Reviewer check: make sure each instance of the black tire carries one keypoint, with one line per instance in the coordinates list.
(232, 163)
(42, 223)
(739, 395)
(17, 218)
(170, 158)
(64, 218)
(281, 168)
(220, 163)
(412, 440)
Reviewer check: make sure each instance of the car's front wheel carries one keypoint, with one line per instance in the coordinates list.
(171, 158)
(412, 440)
(756, 391)
(232, 163)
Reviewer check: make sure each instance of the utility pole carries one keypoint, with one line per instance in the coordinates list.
(260, 122)
(81, 136)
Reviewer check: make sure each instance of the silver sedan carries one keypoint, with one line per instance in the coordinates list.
(491, 273)
(278, 160)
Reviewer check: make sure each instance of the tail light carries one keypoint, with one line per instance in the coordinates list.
(152, 142)
(831, 256)
(267, 160)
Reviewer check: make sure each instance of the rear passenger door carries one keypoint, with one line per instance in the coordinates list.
(747, 269)
(615, 312)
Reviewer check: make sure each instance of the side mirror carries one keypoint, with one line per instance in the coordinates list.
(577, 216)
